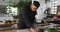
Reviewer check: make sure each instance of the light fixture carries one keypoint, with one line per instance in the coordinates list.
(47, 1)
(3, 0)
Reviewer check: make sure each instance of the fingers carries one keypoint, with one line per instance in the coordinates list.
(34, 29)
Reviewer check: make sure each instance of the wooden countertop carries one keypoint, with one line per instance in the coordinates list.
(49, 19)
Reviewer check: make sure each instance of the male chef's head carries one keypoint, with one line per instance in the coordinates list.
(35, 5)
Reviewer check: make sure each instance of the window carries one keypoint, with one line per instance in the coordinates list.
(54, 7)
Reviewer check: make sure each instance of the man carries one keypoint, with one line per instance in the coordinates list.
(27, 15)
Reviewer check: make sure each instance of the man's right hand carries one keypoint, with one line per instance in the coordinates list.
(34, 29)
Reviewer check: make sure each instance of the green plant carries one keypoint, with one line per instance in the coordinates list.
(52, 30)
(20, 4)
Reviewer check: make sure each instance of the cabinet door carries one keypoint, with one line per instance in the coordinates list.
(58, 10)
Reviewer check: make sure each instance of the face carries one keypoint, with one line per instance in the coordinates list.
(33, 8)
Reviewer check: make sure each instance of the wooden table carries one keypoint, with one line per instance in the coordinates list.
(7, 25)
(10, 30)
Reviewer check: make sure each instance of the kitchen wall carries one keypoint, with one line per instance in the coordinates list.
(43, 7)
(58, 2)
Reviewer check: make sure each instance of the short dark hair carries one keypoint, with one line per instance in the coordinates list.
(36, 3)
